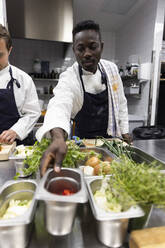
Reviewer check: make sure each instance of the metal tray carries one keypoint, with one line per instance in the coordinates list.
(106, 156)
(140, 156)
(15, 232)
(111, 227)
(94, 184)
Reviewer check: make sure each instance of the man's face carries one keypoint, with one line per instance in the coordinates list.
(87, 48)
(4, 54)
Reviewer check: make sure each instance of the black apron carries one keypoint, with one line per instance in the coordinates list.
(92, 120)
(9, 114)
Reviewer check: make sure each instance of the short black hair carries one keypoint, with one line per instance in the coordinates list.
(4, 34)
(86, 25)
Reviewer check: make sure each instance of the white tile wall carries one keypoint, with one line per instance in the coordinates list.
(136, 37)
(26, 50)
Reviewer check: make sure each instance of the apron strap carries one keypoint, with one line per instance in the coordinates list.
(13, 79)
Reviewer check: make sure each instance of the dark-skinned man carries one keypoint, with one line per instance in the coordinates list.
(90, 92)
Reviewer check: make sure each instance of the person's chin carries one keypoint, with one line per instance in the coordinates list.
(89, 67)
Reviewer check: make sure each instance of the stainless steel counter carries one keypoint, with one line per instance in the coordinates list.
(154, 147)
(84, 233)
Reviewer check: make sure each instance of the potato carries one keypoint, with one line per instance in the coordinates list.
(97, 169)
(106, 167)
(93, 161)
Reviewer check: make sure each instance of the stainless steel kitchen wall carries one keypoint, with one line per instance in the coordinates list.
(40, 19)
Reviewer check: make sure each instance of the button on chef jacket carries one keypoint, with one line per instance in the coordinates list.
(69, 96)
(26, 100)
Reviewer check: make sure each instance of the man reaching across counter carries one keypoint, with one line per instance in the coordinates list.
(90, 92)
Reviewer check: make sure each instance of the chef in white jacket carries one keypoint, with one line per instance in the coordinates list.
(19, 106)
(90, 92)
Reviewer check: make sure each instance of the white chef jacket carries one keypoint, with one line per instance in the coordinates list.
(68, 98)
(26, 100)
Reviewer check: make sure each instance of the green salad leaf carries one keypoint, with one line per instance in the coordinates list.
(73, 156)
(33, 160)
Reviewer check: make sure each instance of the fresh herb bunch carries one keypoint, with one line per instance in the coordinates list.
(144, 183)
(73, 156)
(116, 147)
(33, 160)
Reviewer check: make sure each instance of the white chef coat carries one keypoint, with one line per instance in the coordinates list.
(26, 100)
(68, 98)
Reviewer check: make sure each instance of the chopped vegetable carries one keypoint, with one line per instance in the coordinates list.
(88, 170)
(16, 208)
(93, 161)
(67, 192)
(111, 199)
(23, 151)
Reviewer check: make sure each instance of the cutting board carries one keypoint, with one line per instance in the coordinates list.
(6, 150)
(148, 238)
(98, 142)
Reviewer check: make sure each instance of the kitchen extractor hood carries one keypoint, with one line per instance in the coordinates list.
(40, 19)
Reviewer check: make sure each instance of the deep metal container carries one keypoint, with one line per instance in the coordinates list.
(19, 164)
(106, 155)
(60, 209)
(140, 156)
(111, 227)
(15, 232)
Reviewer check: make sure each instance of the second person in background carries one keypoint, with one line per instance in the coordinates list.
(19, 106)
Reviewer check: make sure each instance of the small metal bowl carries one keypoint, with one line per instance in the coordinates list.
(60, 209)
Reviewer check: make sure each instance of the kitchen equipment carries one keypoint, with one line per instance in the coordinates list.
(45, 67)
(6, 150)
(34, 19)
(105, 156)
(111, 227)
(15, 232)
(149, 132)
(19, 164)
(140, 156)
(60, 209)
(36, 66)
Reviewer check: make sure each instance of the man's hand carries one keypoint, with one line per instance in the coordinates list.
(127, 138)
(55, 153)
(8, 136)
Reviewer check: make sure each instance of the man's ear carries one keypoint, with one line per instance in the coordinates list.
(102, 46)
